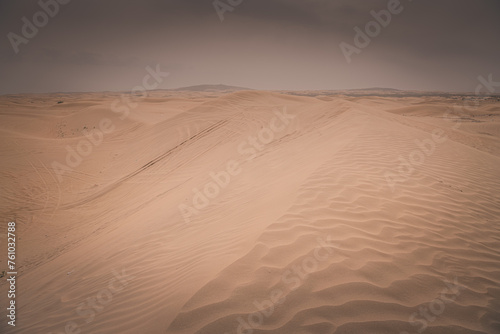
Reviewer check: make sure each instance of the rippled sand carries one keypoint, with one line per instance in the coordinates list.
(253, 212)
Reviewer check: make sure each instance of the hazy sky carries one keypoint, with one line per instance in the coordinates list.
(96, 45)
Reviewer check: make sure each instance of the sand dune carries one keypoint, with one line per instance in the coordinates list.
(253, 212)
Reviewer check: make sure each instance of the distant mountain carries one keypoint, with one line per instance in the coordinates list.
(379, 89)
(210, 88)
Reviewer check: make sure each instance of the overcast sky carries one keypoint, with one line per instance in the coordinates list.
(98, 45)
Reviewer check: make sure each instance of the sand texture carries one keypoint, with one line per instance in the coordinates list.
(350, 214)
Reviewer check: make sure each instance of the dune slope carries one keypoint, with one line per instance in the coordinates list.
(254, 212)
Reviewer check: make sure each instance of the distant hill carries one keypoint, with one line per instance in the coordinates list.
(210, 88)
(379, 89)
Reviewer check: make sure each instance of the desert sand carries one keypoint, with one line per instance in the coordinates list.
(223, 212)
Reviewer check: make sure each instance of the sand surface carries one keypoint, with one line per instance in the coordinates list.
(347, 215)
